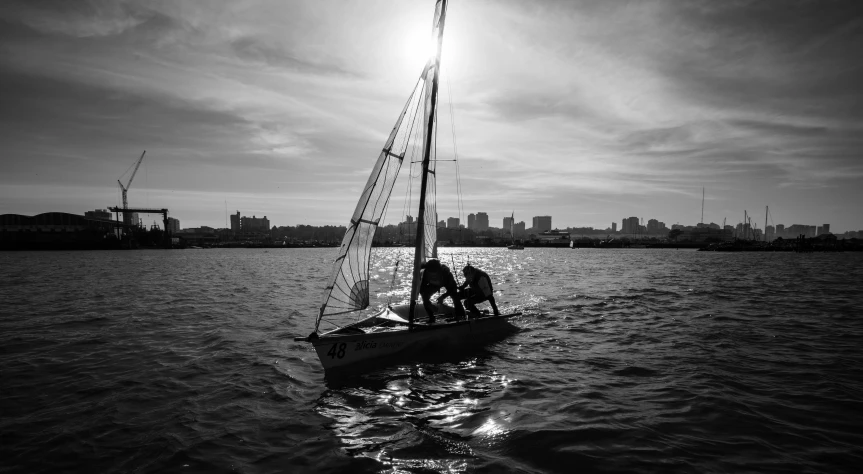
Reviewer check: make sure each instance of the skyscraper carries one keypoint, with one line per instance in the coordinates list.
(541, 223)
(173, 225)
(630, 225)
(471, 221)
(614, 226)
(507, 224)
(481, 221)
(518, 228)
(235, 223)
(452, 223)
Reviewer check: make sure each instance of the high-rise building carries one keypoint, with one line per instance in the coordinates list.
(173, 225)
(441, 224)
(825, 229)
(519, 228)
(255, 224)
(614, 226)
(541, 223)
(471, 221)
(235, 223)
(481, 221)
(630, 225)
(243, 225)
(452, 223)
(507, 223)
(652, 226)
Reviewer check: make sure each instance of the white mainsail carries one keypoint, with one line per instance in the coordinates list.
(430, 75)
(427, 239)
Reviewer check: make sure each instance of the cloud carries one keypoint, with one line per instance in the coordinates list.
(629, 106)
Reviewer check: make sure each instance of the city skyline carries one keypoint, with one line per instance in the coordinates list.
(576, 110)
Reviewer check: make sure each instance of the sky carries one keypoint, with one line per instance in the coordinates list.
(588, 111)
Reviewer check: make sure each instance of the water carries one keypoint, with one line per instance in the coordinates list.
(626, 361)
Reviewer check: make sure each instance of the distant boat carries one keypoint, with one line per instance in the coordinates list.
(513, 245)
(353, 337)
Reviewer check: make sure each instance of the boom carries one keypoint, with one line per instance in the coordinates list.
(126, 187)
(137, 165)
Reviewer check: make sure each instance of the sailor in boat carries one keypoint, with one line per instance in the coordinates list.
(436, 276)
(480, 290)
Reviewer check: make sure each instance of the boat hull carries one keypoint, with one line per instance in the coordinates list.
(336, 351)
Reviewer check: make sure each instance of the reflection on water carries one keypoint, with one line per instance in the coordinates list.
(625, 361)
(425, 415)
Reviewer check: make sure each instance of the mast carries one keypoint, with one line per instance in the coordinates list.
(766, 210)
(702, 204)
(432, 105)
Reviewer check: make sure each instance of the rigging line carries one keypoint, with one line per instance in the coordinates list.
(435, 169)
(127, 170)
(408, 139)
(460, 203)
(407, 144)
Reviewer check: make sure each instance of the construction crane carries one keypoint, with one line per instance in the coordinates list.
(126, 187)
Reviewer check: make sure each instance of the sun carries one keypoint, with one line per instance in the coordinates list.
(420, 47)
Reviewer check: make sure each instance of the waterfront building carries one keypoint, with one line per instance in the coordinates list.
(825, 229)
(706, 234)
(481, 221)
(54, 230)
(471, 221)
(519, 228)
(452, 223)
(614, 226)
(249, 225)
(630, 225)
(235, 223)
(541, 224)
(507, 223)
(173, 225)
(99, 214)
(552, 237)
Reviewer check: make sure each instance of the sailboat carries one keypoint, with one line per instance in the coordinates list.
(513, 245)
(345, 333)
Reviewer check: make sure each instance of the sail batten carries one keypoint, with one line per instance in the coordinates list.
(347, 287)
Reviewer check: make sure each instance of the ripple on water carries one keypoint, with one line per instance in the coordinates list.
(626, 361)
